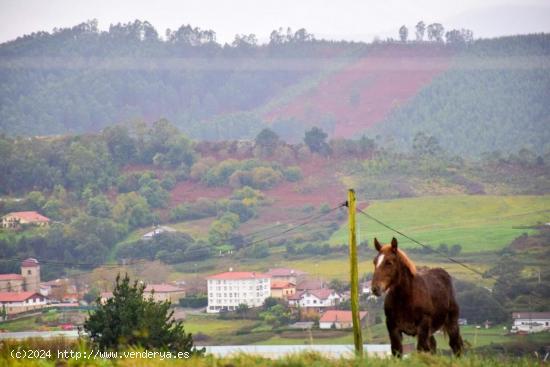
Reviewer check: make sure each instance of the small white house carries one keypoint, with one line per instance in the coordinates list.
(340, 319)
(158, 230)
(16, 302)
(530, 322)
(318, 299)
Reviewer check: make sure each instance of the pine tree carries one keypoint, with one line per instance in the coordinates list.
(128, 319)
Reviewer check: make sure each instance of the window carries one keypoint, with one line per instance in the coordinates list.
(29, 272)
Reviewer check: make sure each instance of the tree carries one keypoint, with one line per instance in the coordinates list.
(99, 206)
(435, 32)
(222, 229)
(459, 37)
(426, 145)
(315, 139)
(455, 250)
(267, 140)
(420, 29)
(133, 210)
(127, 319)
(403, 33)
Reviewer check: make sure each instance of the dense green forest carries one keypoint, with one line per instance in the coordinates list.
(495, 97)
(81, 79)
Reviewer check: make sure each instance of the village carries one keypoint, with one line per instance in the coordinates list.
(304, 301)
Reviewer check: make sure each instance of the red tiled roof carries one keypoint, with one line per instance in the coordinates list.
(11, 277)
(237, 275)
(106, 295)
(531, 315)
(281, 284)
(284, 272)
(340, 316)
(296, 296)
(17, 296)
(31, 216)
(162, 288)
(322, 293)
(31, 262)
(310, 284)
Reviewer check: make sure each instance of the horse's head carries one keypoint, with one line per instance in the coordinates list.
(389, 264)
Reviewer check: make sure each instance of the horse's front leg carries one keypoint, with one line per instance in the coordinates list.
(396, 338)
(423, 333)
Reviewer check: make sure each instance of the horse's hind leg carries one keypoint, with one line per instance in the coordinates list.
(455, 340)
(453, 330)
(433, 345)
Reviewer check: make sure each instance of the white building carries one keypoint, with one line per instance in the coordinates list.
(318, 299)
(228, 290)
(16, 302)
(530, 322)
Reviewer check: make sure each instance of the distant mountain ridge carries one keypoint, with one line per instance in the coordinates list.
(80, 79)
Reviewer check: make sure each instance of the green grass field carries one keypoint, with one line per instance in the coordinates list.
(212, 326)
(477, 223)
(473, 337)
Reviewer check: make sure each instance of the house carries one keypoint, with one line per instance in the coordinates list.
(315, 300)
(158, 230)
(226, 291)
(286, 275)
(530, 322)
(59, 289)
(17, 302)
(12, 282)
(282, 289)
(310, 284)
(366, 287)
(28, 280)
(164, 292)
(159, 292)
(340, 319)
(14, 220)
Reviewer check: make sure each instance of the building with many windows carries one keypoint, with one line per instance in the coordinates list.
(226, 291)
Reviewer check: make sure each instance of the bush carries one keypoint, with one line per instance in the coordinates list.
(293, 174)
(194, 302)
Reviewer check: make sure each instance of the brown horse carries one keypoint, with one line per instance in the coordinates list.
(417, 303)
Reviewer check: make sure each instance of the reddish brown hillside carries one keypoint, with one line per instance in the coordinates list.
(363, 93)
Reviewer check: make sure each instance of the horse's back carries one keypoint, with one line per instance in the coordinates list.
(440, 287)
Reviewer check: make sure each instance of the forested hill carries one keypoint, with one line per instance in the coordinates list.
(495, 97)
(81, 79)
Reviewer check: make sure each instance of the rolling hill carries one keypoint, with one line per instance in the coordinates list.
(484, 96)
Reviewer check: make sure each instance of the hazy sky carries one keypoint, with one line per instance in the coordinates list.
(341, 19)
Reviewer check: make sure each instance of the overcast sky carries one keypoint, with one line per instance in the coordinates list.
(341, 19)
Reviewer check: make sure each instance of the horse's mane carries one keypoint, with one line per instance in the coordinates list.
(406, 261)
(403, 258)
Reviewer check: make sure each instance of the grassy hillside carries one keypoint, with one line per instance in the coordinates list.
(477, 223)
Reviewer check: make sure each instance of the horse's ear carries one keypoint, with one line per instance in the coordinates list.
(394, 244)
(377, 245)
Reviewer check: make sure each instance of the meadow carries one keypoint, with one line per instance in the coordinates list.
(477, 223)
